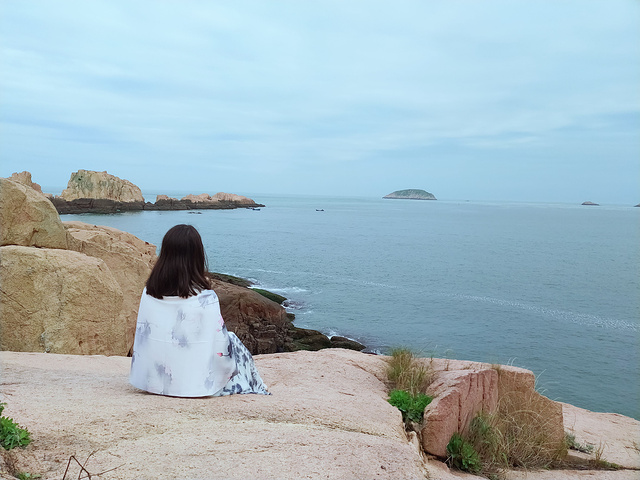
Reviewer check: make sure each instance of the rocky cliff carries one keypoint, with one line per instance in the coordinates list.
(411, 194)
(100, 185)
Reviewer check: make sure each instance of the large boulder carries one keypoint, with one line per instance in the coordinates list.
(100, 185)
(129, 259)
(260, 323)
(59, 301)
(461, 390)
(28, 218)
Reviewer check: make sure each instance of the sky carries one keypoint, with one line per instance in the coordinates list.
(477, 100)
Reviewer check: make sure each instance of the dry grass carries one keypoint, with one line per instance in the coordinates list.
(406, 372)
(515, 436)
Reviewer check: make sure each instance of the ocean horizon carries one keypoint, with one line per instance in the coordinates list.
(550, 287)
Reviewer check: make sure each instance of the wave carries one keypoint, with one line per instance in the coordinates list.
(565, 315)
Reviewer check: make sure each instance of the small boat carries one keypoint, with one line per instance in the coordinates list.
(254, 208)
(319, 209)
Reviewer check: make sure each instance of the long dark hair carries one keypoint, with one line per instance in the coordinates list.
(181, 269)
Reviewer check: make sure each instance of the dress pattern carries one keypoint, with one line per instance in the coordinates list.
(182, 348)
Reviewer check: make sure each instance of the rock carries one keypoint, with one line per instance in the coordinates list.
(202, 198)
(59, 301)
(327, 417)
(306, 339)
(164, 198)
(343, 342)
(27, 218)
(591, 203)
(129, 259)
(95, 205)
(463, 389)
(233, 198)
(615, 434)
(260, 323)
(411, 194)
(101, 186)
(458, 397)
(24, 178)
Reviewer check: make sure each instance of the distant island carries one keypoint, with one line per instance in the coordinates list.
(412, 194)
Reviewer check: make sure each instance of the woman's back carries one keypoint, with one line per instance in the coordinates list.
(181, 346)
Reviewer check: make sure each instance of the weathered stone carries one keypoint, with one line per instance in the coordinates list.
(59, 301)
(307, 339)
(202, 198)
(129, 259)
(327, 417)
(25, 179)
(101, 185)
(343, 342)
(250, 315)
(95, 205)
(27, 218)
(463, 389)
(233, 198)
(458, 397)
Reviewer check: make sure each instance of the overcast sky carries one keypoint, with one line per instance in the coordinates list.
(481, 100)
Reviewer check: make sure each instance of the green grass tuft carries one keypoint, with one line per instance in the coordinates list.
(11, 435)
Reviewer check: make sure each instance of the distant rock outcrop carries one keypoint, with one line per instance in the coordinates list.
(411, 194)
(591, 203)
(101, 186)
(99, 192)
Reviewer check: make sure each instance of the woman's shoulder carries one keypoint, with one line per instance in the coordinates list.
(203, 297)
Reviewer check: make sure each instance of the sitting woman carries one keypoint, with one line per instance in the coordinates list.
(182, 347)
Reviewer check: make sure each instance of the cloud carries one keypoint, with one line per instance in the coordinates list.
(336, 88)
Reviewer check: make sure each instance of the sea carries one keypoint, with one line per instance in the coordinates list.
(554, 288)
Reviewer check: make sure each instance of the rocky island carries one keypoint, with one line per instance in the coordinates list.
(411, 194)
(99, 192)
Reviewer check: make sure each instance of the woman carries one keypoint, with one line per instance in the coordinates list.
(182, 347)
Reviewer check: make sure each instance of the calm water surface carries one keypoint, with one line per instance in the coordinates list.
(549, 287)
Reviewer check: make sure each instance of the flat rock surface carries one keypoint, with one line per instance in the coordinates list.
(327, 417)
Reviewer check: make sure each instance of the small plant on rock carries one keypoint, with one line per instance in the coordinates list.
(11, 435)
(411, 406)
(462, 455)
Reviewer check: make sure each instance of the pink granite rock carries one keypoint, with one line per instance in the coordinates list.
(458, 397)
(461, 390)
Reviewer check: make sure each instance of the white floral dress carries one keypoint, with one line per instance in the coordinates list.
(182, 348)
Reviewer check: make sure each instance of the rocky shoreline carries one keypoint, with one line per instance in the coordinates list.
(49, 266)
(103, 205)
